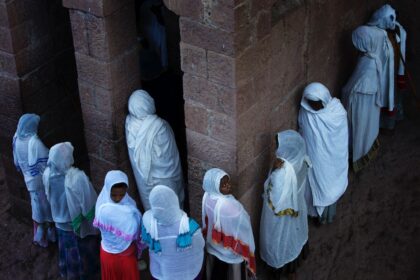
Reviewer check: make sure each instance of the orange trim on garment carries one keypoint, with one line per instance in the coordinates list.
(236, 246)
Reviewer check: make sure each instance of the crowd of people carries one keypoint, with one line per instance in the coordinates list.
(307, 178)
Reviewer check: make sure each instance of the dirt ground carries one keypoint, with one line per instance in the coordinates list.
(376, 234)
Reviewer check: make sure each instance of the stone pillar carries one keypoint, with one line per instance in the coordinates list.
(104, 36)
(37, 75)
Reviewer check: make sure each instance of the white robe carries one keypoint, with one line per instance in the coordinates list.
(326, 136)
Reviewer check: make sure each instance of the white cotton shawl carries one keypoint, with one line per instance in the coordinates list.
(74, 198)
(119, 223)
(283, 237)
(403, 43)
(165, 222)
(385, 18)
(152, 148)
(226, 215)
(326, 136)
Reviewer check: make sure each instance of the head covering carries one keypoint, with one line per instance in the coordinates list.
(28, 125)
(292, 148)
(141, 104)
(165, 211)
(228, 226)
(61, 157)
(384, 18)
(326, 136)
(120, 222)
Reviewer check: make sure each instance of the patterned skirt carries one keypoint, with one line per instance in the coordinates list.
(78, 257)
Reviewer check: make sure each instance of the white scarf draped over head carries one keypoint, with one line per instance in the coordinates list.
(326, 135)
(230, 220)
(383, 18)
(165, 211)
(142, 125)
(80, 194)
(35, 162)
(120, 223)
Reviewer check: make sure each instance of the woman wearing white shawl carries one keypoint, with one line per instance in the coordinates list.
(119, 221)
(30, 157)
(227, 227)
(323, 124)
(284, 222)
(175, 241)
(361, 96)
(395, 37)
(152, 148)
(72, 199)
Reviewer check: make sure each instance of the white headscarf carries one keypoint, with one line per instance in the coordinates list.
(120, 222)
(230, 220)
(326, 135)
(79, 192)
(384, 18)
(29, 153)
(165, 211)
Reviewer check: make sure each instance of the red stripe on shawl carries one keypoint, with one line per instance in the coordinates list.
(236, 246)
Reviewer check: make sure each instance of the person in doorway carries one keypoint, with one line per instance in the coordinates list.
(393, 73)
(72, 198)
(323, 124)
(228, 230)
(119, 221)
(175, 241)
(30, 157)
(284, 221)
(361, 96)
(152, 149)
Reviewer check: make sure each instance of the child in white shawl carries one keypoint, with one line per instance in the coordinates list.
(119, 221)
(30, 157)
(176, 244)
(362, 95)
(72, 199)
(284, 222)
(227, 227)
(323, 124)
(152, 148)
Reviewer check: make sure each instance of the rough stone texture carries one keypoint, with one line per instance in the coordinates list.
(37, 75)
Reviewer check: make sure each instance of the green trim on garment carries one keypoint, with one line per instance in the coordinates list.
(76, 223)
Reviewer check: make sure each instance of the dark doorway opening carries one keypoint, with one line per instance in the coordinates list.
(160, 68)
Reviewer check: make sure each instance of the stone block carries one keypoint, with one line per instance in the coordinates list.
(13, 13)
(214, 152)
(7, 64)
(196, 117)
(98, 170)
(193, 60)
(101, 8)
(246, 95)
(222, 128)
(79, 31)
(191, 9)
(10, 86)
(8, 127)
(252, 202)
(214, 96)
(221, 69)
(254, 173)
(12, 107)
(263, 24)
(260, 5)
(6, 42)
(4, 21)
(206, 37)
(221, 15)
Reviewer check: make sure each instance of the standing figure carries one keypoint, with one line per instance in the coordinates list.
(227, 226)
(393, 79)
(323, 124)
(119, 221)
(284, 221)
(30, 157)
(176, 244)
(72, 198)
(362, 94)
(152, 148)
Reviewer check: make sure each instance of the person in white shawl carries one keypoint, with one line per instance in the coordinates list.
(30, 157)
(72, 199)
(176, 244)
(323, 124)
(119, 221)
(394, 38)
(152, 148)
(284, 221)
(361, 96)
(227, 227)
